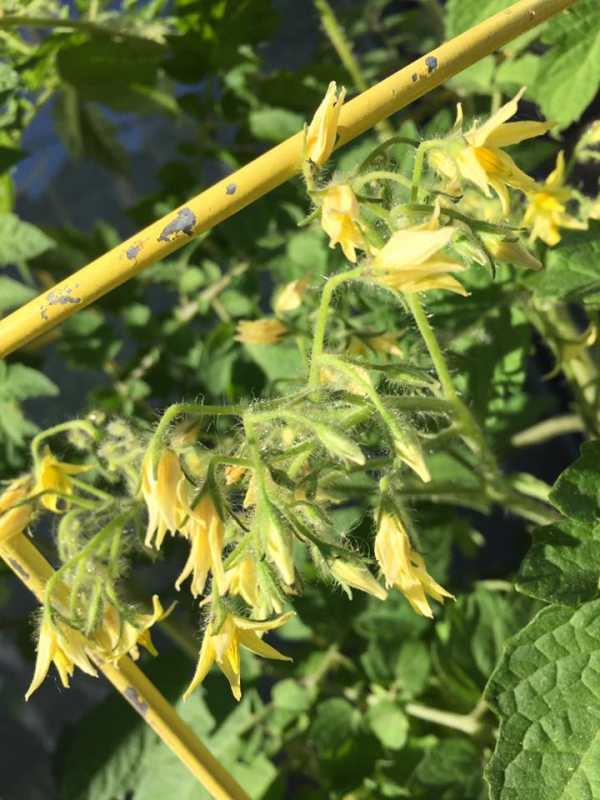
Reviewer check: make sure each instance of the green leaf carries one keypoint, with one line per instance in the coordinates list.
(18, 382)
(163, 775)
(546, 693)
(470, 641)
(453, 762)
(332, 726)
(572, 268)
(278, 361)
(9, 79)
(13, 293)
(87, 132)
(563, 564)
(464, 14)
(389, 723)
(20, 241)
(108, 71)
(569, 71)
(291, 696)
(274, 124)
(577, 491)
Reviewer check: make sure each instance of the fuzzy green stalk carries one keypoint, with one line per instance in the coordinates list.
(321, 323)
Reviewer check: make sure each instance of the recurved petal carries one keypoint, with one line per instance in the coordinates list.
(515, 132)
(262, 625)
(478, 135)
(46, 650)
(256, 645)
(206, 659)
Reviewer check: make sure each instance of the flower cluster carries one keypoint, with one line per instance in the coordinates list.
(249, 504)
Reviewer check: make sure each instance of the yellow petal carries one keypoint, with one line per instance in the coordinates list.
(411, 247)
(478, 135)
(206, 659)
(46, 650)
(256, 645)
(515, 132)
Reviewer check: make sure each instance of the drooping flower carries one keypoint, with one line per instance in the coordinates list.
(62, 646)
(290, 297)
(412, 260)
(52, 478)
(512, 252)
(206, 532)
(118, 638)
(222, 646)
(165, 494)
(546, 212)
(242, 579)
(14, 520)
(356, 576)
(322, 131)
(403, 567)
(279, 547)
(477, 155)
(339, 215)
(260, 331)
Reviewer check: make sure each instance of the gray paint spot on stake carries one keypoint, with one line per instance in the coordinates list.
(133, 251)
(432, 63)
(184, 222)
(414, 77)
(231, 188)
(136, 701)
(19, 569)
(62, 297)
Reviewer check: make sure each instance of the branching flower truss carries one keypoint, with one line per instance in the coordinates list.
(251, 487)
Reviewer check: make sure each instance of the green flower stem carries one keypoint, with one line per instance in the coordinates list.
(379, 175)
(74, 424)
(50, 23)
(343, 48)
(321, 324)
(192, 409)
(86, 487)
(383, 147)
(498, 489)
(554, 323)
(103, 535)
(418, 167)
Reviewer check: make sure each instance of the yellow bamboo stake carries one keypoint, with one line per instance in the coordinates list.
(273, 168)
(30, 566)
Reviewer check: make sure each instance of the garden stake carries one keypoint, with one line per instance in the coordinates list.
(30, 566)
(282, 162)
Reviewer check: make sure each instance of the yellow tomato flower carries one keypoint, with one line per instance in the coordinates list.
(223, 647)
(65, 648)
(290, 297)
(15, 520)
(52, 475)
(118, 638)
(356, 576)
(404, 568)
(339, 214)
(512, 252)
(242, 579)
(280, 550)
(322, 131)
(206, 531)
(546, 212)
(412, 260)
(477, 155)
(260, 331)
(165, 495)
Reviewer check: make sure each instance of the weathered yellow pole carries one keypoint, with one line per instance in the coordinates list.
(230, 195)
(30, 566)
